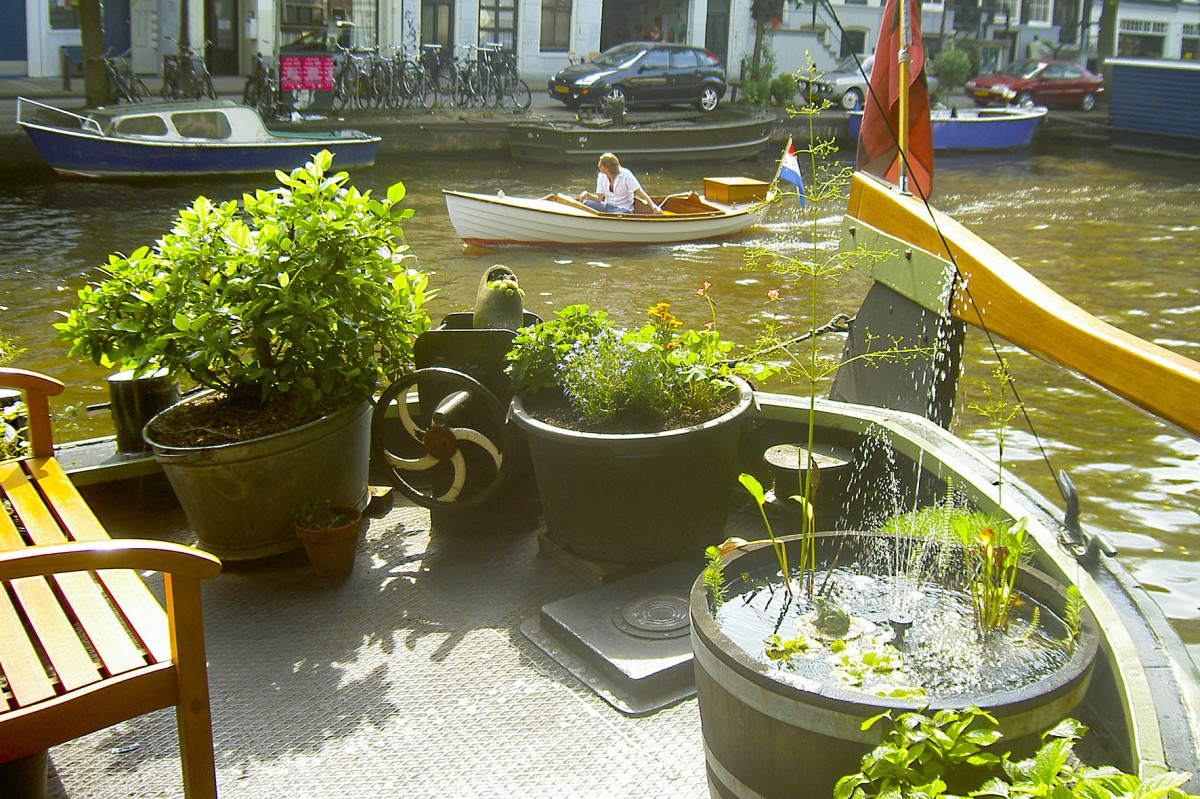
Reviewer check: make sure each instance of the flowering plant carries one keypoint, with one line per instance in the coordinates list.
(591, 375)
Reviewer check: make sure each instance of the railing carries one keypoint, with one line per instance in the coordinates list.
(86, 124)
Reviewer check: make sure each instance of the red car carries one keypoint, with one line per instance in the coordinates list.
(1030, 81)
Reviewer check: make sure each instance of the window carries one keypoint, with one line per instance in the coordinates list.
(1038, 10)
(854, 42)
(556, 25)
(656, 59)
(436, 18)
(142, 126)
(201, 125)
(64, 15)
(1190, 46)
(683, 59)
(498, 23)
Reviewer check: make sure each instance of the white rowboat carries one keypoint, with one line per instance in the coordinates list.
(488, 220)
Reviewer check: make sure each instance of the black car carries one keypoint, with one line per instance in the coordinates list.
(644, 73)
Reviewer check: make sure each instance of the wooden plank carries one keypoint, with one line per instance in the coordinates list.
(82, 597)
(134, 599)
(22, 667)
(54, 630)
(997, 294)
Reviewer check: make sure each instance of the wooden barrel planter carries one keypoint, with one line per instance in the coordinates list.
(770, 733)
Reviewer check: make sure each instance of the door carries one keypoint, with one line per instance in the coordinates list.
(221, 30)
(648, 77)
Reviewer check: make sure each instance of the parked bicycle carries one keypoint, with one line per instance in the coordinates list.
(508, 86)
(185, 75)
(262, 91)
(123, 85)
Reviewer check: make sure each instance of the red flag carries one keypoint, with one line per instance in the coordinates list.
(878, 151)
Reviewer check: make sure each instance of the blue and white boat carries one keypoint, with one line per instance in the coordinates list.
(1005, 128)
(176, 139)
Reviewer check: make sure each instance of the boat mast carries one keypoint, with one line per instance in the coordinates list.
(902, 69)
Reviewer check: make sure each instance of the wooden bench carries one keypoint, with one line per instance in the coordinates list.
(84, 644)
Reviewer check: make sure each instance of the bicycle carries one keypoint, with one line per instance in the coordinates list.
(508, 83)
(122, 83)
(352, 85)
(185, 75)
(262, 91)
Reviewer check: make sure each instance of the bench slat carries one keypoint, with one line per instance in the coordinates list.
(132, 597)
(35, 596)
(28, 682)
(117, 650)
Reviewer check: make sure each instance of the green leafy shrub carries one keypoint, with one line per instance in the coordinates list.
(300, 294)
(656, 377)
(953, 67)
(783, 88)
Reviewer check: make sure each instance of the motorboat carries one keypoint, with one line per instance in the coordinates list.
(496, 219)
(723, 135)
(954, 128)
(176, 139)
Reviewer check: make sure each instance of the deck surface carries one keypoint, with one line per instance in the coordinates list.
(409, 679)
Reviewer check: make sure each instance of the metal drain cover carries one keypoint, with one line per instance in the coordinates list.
(627, 640)
(653, 617)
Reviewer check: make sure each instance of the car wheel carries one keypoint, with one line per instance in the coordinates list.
(708, 99)
(1087, 102)
(852, 99)
(616, 95)
(1024, 98)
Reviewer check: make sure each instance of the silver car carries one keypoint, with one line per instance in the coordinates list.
(845, 86)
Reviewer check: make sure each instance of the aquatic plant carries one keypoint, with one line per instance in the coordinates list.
(920, 752)
(809, 268)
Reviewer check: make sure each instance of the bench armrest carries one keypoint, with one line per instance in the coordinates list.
(139, 554)
(36, 388)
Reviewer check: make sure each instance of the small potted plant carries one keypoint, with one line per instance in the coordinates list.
(289, 307)
(329, 533)
(633, 433)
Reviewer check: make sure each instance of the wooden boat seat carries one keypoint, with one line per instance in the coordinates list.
(84, 644)
(571, 202)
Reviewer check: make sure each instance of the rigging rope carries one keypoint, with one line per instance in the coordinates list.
(960, 282)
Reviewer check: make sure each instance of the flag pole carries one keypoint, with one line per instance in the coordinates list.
(903, 65)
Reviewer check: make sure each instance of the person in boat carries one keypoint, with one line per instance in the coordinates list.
(616, 189)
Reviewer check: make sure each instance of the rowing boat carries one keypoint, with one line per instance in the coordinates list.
(496, 219)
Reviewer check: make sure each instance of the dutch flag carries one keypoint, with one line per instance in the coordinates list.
(789, 170)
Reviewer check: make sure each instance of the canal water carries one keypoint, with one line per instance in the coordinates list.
(1118, 234)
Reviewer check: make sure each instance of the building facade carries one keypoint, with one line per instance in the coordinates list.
(547, 34)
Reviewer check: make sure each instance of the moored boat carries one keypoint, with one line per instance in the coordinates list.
(726, 135)
(487, 220)
(175, 139)
(976, 128)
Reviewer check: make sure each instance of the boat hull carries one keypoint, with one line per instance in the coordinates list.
(488, 220)
(977, 128)
(80, 154)
(681, 140)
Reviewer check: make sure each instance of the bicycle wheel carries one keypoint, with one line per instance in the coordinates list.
(170, 89)
(207, 86)
(251, 92)
(520, 94)
(138, 90)
(267, 103)
(426, 92)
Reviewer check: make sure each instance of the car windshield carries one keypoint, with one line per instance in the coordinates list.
(619, 56)
(848, 64)
(1022, 69)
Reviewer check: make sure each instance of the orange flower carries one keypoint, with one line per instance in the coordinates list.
(704, 287)
(773, 294)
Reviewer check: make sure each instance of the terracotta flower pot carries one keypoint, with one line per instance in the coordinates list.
(332, 551)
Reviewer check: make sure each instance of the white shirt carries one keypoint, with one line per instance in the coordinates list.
(621, 192)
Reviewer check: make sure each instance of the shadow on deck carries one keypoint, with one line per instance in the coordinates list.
(410, 678)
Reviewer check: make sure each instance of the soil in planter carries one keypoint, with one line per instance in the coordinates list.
(940, 652)
(553, 408)
(216, 419)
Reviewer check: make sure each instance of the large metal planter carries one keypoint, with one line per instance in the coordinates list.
(240, 498)
(636, 499)
(767, 735)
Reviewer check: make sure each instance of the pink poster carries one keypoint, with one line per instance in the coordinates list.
(306, 72)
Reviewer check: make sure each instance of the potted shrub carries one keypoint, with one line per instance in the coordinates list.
(633, 433)
(329, 533)
(289, 307)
